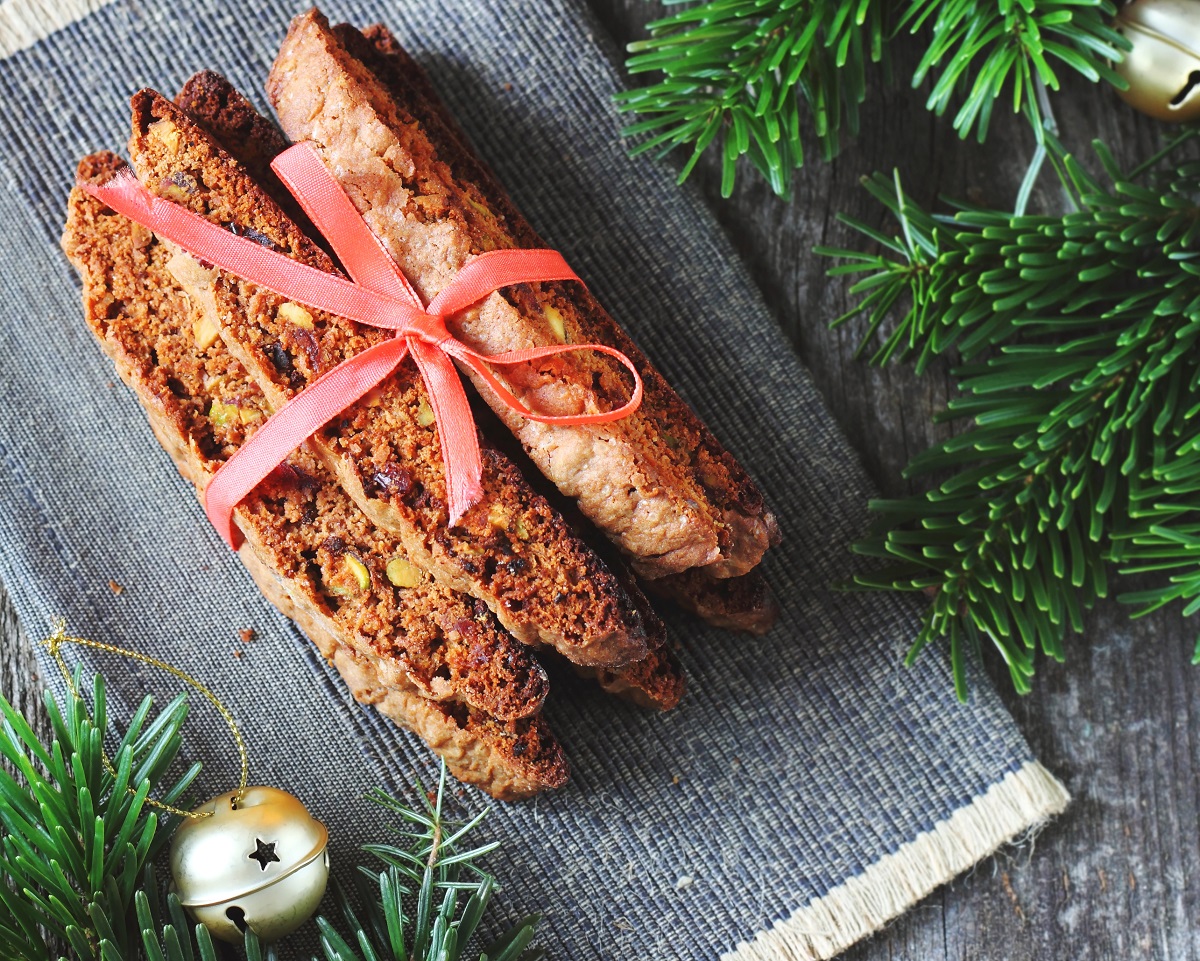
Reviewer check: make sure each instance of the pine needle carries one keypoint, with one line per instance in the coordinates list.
(736, 75)
(1079, 399)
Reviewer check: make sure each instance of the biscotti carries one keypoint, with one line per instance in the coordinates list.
(148, 326)
(654, 682)
(510, 760)
(657, 482)
(223, 111)
(511, 551)
(743, 603)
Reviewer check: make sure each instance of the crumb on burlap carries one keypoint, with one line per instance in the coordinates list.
(247, 634)
(115, 587)
(237, 653)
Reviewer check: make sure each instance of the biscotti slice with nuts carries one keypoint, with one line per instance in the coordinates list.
(511, 550)
(654, 682)
(153, 333)
(223, 111)
(656, 482)
(742, 603)
(509, 759)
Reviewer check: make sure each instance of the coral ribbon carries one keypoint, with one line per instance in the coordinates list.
(379, 296)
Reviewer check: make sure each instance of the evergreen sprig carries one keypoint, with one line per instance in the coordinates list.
(737, 69)
(73, 840)
(411, 908)
(1005, 48)
(76, 847)
(734, 74)
(1079, 408)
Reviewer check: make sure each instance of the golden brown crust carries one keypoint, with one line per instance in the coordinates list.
(211, 100)
(512, 550)
(743, 603)
(146, 324)
(685, 501)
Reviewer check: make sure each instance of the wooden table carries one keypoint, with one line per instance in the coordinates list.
(1120, 721)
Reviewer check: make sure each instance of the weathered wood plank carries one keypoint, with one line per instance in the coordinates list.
(19, 678)
(1118, 722)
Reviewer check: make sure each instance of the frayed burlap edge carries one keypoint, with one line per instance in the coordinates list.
(859, 907)
(24, 22)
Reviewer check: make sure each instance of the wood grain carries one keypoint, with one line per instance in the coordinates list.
(1120, 721)
(20, 680)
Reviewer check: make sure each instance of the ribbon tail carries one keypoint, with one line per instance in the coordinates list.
(334, 214)
(456, 428)
(499, 268)
(291, 425)
(479, 364)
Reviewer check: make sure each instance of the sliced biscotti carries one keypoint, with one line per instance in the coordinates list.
(133, 307)
(510, 759)
(511, 550)
(743, 603)
(657, 482)
(656, 681)
(141, 317)
(227, 114)
(203, 407)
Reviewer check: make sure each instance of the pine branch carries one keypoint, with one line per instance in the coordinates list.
(1081, 453)
(973, 279)
(73, 839)
(76, 847)
(738, 69)
(995, 51)
(411, 909)
(734, 74)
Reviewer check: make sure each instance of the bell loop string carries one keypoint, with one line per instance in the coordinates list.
(59, 638)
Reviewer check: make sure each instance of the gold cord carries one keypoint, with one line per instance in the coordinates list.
(60, 637)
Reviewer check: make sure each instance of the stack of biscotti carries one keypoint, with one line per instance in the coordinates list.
(657, 483)
(435, 660)
(418, 651)
(437, 625)
(653, 681)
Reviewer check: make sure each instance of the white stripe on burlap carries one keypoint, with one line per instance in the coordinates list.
(862, 905)
(24, 22)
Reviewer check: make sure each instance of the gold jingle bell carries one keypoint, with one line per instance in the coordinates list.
(257, 862)
(1163, 68)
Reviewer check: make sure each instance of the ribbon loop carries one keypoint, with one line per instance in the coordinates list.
(378, 295)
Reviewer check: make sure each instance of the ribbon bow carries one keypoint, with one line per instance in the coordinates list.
(379, 296)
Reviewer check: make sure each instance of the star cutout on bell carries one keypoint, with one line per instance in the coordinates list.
(263, 853)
